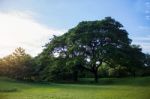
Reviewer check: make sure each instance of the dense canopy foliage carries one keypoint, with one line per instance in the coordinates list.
(88, 46)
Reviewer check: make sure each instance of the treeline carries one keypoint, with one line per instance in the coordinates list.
(95, 49)
(17, 65)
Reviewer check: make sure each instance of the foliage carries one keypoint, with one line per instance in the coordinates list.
(17, 65)
(146, 70)
(89, 45)
(147, 60)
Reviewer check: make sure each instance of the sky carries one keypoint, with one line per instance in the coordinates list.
(31, 23)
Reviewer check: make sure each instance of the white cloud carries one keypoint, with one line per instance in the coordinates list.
(143, 39)
(144, 27)
(147, 11)
(147, 4)
(19, 29)
(147, 17)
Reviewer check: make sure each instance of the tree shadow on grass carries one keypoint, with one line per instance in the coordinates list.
(139, 81)
(9, 90)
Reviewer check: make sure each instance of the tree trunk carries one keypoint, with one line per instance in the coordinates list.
(134, 74)
(96, 76)
(75, 74)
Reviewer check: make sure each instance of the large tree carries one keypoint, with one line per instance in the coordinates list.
(97, 42)
(90, 44)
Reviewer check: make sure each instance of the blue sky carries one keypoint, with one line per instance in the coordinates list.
(58, 16)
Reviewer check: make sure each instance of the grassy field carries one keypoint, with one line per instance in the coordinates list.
(125, 88)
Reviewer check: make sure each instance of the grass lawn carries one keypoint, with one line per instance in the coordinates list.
(123, 88)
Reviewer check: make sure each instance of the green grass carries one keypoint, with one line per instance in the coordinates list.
(123, 88)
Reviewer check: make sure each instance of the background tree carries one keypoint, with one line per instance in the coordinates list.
(146, 71)
(147, 60)
(17, 65)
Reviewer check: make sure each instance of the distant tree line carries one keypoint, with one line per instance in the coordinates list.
(17, 65)
(94, 49)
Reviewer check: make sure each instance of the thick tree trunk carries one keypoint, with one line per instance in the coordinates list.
(94, 71)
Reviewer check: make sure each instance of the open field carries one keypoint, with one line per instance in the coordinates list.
(122, 88)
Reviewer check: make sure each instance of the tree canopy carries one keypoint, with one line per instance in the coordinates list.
(91, 44)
